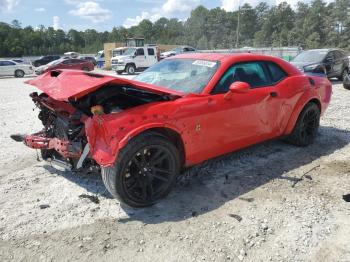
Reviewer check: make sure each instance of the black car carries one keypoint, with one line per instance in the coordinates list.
(333, 62)
(45, 60)
(89, 58)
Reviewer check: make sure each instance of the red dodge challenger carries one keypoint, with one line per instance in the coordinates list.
(178, 113)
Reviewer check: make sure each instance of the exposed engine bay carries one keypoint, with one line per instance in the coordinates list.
(63, 140)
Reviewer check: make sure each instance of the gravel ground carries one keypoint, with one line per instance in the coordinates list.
(271, 202)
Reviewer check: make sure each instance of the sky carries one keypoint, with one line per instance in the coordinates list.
(105, 14)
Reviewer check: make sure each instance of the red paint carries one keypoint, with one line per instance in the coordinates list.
(209, 125)
(63, 147)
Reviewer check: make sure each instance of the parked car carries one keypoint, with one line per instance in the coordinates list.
(71, 55)
(135, 59)
(334, 62)
(12, 68)
(100, 58)
(66, 63)
(346, 81)
(178, 113)
(89, 58)
(45, 60)
(178, 50)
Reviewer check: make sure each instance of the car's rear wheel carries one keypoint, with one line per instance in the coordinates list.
(130, 69)
(346, 82)
(306, 127)
(145, 170)
(19, 73)
(343, 74)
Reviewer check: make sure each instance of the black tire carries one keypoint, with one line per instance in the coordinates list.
(119, 72)
(346, 82)
(19, 73)
(306, 127)
(343, 75)
(144, 172)
(130, 69)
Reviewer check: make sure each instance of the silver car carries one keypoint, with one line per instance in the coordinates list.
(12, 68)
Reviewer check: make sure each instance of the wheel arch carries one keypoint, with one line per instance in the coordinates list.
(299, 107)
(165, 130)
(130, 63)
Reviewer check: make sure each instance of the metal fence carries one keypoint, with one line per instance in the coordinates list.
(287, 53)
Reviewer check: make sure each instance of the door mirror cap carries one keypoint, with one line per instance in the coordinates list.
(238, 88)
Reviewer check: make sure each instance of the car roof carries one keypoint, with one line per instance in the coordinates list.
(1, 60)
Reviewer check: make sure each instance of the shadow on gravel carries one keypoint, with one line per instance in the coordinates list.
(208, 186)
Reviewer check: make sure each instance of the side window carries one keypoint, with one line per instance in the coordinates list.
(330, 56)
(67, 62)
(150, 51)
(140, 52)
(7, 63)
(339, 55)
(276, 73)
(252, 73)
(1, 63)
(76, 61)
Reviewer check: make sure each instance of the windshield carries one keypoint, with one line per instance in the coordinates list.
(184, 75)
(130, 51)
(310, 56)
(177, 50)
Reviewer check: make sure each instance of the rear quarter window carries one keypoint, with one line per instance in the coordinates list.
(276, 72)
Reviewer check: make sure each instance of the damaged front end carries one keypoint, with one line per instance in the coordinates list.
(62, 140)
(70, 103)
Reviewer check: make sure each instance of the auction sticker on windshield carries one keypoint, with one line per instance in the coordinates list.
(204, 63)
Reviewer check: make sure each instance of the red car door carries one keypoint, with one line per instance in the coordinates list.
(243, 120)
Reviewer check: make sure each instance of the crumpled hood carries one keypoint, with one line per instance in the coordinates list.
(63, 85)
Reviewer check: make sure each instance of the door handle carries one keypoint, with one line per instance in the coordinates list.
(273, 94)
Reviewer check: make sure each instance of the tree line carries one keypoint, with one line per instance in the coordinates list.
(313, 25)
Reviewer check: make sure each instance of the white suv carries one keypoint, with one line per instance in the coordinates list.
(135, 59)
(12, 68)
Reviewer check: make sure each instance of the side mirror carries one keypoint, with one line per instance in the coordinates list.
(238, 88)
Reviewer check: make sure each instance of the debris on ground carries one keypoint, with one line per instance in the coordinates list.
(93, 199)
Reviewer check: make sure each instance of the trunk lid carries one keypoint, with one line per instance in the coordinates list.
(63, 85)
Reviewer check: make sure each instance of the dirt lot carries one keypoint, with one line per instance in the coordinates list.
(271, 202)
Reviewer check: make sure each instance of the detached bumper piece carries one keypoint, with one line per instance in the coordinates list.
(67, 149)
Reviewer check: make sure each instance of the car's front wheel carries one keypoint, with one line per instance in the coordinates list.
(145, 170)
(306, 127)
(130, 69)
(19, 73)
(343, 75)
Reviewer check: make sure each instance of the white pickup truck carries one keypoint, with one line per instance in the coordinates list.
(135, 59)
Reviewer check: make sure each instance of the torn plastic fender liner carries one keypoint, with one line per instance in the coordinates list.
(106, 140)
